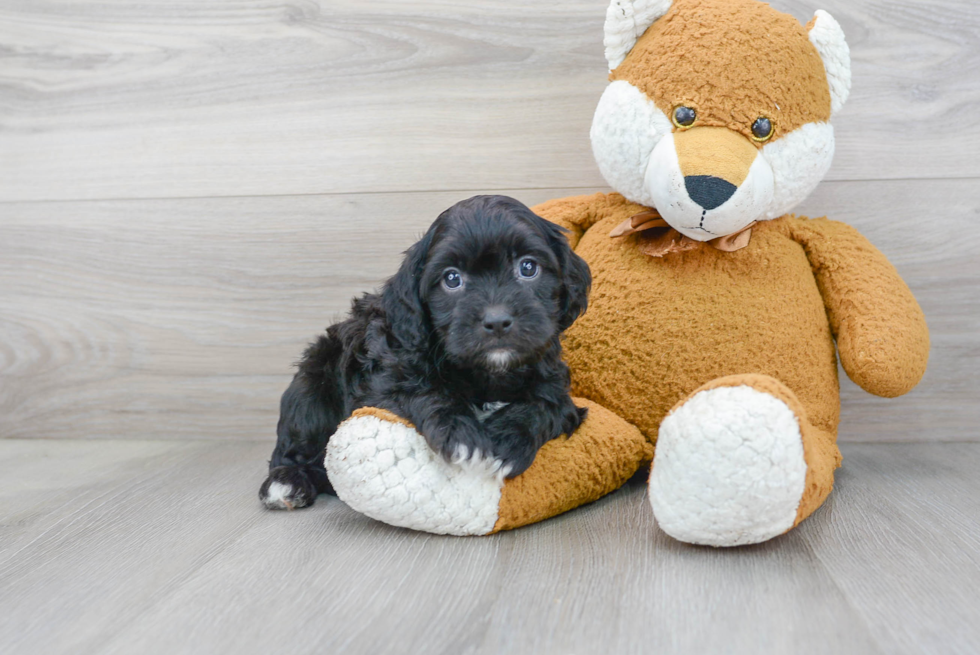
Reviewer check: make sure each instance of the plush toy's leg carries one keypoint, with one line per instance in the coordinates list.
(382, 467)
(737, 462)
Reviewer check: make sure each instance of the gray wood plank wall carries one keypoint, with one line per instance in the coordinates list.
(190, 191)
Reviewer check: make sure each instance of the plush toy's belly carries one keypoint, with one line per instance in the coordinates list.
(658, 328)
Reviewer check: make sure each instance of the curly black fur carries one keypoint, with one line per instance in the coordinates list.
(435, 354)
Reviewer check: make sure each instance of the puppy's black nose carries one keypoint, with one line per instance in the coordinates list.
(497, 321)
(709, 191)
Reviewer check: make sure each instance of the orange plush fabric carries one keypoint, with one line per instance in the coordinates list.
(881, 332)
(570, 471)
(730, 62)
(658, 328)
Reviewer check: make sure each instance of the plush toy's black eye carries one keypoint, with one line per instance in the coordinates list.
(762, 129)
(528, 268)
(451, 278)
(684, 117)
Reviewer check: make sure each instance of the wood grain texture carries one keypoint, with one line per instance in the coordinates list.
(162, 319)
(164, 99)
(319, 139)
(180, 318)
(166, 549)
(902, 515)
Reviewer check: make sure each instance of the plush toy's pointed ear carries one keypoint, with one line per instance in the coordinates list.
(828, 37)
(626, 21)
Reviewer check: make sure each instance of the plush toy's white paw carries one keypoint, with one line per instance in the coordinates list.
(728, 469)
(387, 471)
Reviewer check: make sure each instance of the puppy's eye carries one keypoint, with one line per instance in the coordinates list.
(528, 268)
(451, 278)
(762, 129)
(684, 116)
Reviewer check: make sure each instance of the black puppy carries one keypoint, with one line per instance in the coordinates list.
(463, 342)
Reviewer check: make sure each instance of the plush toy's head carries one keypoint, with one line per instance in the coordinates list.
(718, 111)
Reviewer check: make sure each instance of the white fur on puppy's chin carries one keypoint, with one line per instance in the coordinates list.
(387, 471)
(729, 468)
(501, 359)
(667, 188)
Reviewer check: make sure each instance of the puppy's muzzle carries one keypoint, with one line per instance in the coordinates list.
(497, 321)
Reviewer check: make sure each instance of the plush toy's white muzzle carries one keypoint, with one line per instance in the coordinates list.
(634, 146)
(704, 207)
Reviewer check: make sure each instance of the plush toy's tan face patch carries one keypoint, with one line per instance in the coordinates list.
(732, 61)
(714, 151)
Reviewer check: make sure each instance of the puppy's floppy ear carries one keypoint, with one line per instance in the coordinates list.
(575, 274)
(402, 297)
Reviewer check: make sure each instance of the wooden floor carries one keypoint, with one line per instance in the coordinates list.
(190, 190)
(160, 547)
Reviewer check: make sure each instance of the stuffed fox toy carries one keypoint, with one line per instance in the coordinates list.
(716, 318)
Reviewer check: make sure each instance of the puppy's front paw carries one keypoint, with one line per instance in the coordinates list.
(515, 454)
(463, 441)
(287, 487)
(573, 418)
(482, 463)
(515, 439)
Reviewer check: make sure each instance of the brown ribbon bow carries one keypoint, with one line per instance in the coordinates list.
(657, 238)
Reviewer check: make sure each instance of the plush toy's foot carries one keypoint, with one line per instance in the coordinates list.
(738, 463)
(380, 466)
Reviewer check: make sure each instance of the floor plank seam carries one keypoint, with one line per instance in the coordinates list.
(173, 585)
(472, 191)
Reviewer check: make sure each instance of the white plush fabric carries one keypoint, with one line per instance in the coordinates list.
(633, 145)
(798, 160)
(728, 468)
(626, 21)
(387, 471)
(626, 127)
(828, 37)
(665, 184)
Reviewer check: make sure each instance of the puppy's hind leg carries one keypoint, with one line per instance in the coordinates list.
(310, 410)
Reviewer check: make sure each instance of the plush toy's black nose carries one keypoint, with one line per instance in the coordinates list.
(709, 191)
(497, 321)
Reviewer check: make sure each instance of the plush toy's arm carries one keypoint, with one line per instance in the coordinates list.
(575, 213)
(881, 332)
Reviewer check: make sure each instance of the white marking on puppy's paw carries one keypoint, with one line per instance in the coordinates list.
(477, 464)
(277, 494)
(728, 468)
(461, 454)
